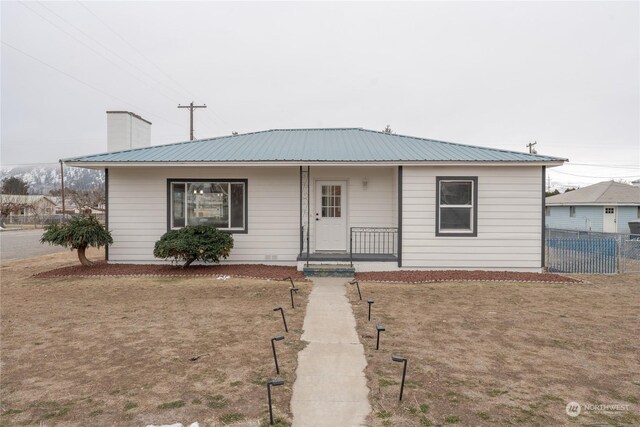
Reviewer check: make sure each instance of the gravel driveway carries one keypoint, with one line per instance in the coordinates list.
(22, 244)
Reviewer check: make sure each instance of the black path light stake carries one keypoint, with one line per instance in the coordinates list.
(283, 318)
(269, 384)
(404, 371)
(379, 328)
(291, 291)
(355, 282)
(273, 346)
(291, 280)
(369, 301)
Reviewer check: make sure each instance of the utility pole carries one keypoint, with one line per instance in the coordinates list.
(62, 188)
(191, 107)
(531, 149)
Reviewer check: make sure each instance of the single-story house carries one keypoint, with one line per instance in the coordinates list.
(298, 196)
(26, 208)
(604, 207)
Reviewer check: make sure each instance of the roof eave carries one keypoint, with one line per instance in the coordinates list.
(97, 164)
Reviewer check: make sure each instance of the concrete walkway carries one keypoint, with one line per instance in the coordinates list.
(330, 389)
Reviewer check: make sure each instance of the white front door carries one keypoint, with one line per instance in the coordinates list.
(609, 223)
(331, 215)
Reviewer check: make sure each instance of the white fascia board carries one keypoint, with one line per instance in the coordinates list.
(100, 165)
(592, 204)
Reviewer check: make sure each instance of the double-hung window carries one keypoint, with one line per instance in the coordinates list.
(457, 206)
(218, 203)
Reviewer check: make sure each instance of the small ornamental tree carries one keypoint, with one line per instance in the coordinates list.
(79, 233)
(194, 243)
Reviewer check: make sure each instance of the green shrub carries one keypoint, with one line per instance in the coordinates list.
(194, 243)
(79, 233)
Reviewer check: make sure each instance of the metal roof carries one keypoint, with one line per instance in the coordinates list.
(348, 145)
(602, 193)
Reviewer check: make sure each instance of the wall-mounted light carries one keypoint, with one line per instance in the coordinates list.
(269, 384)
(273, 347)
(404, 371)
(284, 320)
(379, 328)
(365, 183)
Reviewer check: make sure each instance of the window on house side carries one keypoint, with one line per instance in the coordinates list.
(456, 210)
(221, 204)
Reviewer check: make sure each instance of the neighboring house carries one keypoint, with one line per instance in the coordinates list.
(28, 206)
(71, 208)
(605, 207)
(393, 201)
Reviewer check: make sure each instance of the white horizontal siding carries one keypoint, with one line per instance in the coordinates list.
(138, 211)
(509, 220)
(373, 206)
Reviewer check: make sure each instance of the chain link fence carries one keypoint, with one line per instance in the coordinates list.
(573, 251)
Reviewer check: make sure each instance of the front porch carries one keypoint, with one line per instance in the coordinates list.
(366, 244)
(349, 215)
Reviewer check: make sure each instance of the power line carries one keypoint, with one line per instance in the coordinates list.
(604, 165)
(116, 54)
(591, 176)
(177, 83)
(95, 51)
(87, 84)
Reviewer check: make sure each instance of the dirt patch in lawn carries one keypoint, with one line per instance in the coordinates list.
(139, 350)
(498, 354)
(101, 268)
(461, 275)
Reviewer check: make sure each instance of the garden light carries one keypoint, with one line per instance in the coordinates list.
(269, 384)
(379, 328)
(355, 282)
(369, 301)
(291, 291)
(284, 320)
(273, 346)
(291, 280)
(404, 371)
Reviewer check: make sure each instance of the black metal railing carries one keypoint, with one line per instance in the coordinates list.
(373, 241)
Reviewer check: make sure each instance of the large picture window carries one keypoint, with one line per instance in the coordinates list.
(218, 203)
(457, 206)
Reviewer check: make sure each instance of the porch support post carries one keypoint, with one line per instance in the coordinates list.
(544, 214)
(308, 210)
(106, 209)
(301, 229)
(399, 216)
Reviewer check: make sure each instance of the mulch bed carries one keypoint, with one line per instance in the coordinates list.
(461, 275)
(276, 272)
(101, 268)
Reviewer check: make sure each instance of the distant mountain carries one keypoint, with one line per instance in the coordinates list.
(45, 178)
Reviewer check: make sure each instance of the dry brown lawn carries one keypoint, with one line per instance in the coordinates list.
(117, 351)
(494, 354)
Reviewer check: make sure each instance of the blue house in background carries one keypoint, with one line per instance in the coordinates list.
(604, 207)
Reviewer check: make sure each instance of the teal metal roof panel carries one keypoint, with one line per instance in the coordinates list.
(314, 145)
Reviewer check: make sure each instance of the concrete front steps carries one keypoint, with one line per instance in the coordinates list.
(329, 270)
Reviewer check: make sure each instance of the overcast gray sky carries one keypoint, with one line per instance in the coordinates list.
(498, 74)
